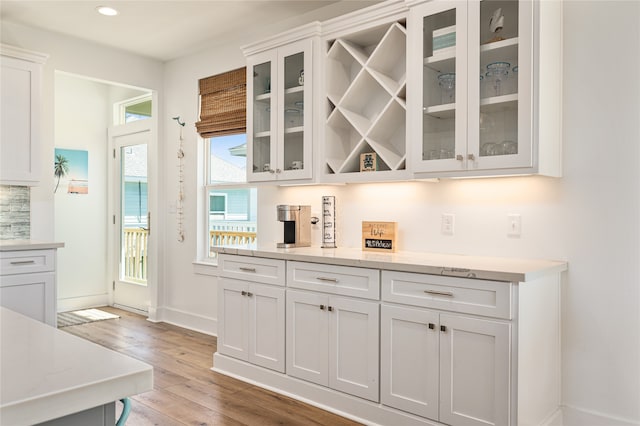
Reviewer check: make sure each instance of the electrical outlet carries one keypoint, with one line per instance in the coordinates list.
(448, 225)
(514, 225)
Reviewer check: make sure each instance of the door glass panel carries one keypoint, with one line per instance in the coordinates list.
(294, 111)
(439, 85)
(498, 78)
(262, 118)
(134, 227)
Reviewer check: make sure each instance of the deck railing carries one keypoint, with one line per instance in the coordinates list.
(135, 254)
(231, 238)
(135, 247)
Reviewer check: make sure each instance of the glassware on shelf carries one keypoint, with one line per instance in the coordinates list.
(447, 84)
(497, 73)
(509, 147)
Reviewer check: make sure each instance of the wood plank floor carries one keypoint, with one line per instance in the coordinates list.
(186, 391)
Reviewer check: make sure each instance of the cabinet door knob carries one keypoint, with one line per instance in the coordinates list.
(322, 307)
(459, 157)
(249, 294)
(443, 328)
(278, 171)
(244, 293)
(471, 157)
(330, 308)
(431, 326)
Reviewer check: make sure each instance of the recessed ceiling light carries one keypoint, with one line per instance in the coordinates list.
(106, 11)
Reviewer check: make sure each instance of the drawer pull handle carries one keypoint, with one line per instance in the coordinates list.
(443, 328)
(330, 308)
(431, 326)
(322, 307)
(243, 269)
(439, 293)
(329, 279)
(23, 262)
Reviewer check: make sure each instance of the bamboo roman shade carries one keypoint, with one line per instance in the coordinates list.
(223, 104)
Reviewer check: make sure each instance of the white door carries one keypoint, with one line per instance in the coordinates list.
(307, 336)
(132, 238)
(266, 326)
(410, 360)
(474, 371)
(354, 346)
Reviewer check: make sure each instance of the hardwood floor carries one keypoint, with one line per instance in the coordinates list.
(186, 391)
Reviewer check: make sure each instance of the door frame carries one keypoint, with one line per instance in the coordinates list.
(154, 237)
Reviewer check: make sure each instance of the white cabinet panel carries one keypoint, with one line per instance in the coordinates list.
(343, 280)
(251, 323)
(333, 341)
(28, 283)
(409, 360)
(354, 346)
(20, 116)
(474, 371)
(307, 336)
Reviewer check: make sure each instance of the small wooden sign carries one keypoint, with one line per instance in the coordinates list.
(368, 162)
(379, 236)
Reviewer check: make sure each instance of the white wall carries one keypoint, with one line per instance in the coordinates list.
(82, 115)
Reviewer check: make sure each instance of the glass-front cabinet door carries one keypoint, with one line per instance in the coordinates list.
(475, 106)
(279, 118)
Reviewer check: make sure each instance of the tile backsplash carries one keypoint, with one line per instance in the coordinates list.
(15, 215)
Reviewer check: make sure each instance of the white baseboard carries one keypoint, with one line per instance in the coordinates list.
(573, 416)
(187, 320)
(84, 302)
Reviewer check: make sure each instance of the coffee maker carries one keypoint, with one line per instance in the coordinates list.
(297, 225)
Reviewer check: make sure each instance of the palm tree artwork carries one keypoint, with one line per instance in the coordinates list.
(60, 169)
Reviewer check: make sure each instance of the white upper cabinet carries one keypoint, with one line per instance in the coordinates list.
(365, 86)
(20, 116)
(483, 101)
(280, 110)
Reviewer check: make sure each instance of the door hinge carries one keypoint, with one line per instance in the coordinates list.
(113, 285)
(114, 153)
(114, 219)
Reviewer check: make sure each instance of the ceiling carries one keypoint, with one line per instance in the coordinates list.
(163, 30)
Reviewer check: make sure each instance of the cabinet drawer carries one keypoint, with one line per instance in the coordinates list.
(26, 261)
(480, 297)
(256, 269)
(344, 280)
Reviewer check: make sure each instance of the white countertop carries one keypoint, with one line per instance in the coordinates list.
(10, 245)
(46, 373)
(481, 267)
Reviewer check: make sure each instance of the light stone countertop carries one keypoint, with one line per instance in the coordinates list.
(46, 373)
(480, 267)
(11, 245)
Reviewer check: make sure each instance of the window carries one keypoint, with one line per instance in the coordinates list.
(231, 207)
(134, 109)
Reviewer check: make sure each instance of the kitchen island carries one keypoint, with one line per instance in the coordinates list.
(52, 377)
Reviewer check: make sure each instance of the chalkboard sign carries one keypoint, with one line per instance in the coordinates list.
(379, 236)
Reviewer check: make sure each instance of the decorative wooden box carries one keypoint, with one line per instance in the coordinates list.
(379, 236)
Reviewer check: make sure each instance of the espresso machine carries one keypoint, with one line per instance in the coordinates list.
(297, 225)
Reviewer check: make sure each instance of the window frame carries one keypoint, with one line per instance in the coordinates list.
(207, 187)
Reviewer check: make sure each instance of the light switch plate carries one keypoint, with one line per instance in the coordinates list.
(514, 225)
(448, 226)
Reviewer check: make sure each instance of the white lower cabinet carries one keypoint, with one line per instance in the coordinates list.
(333, 341)
(446, 367)
(251, 322)
(28, 283)
(394, 348)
